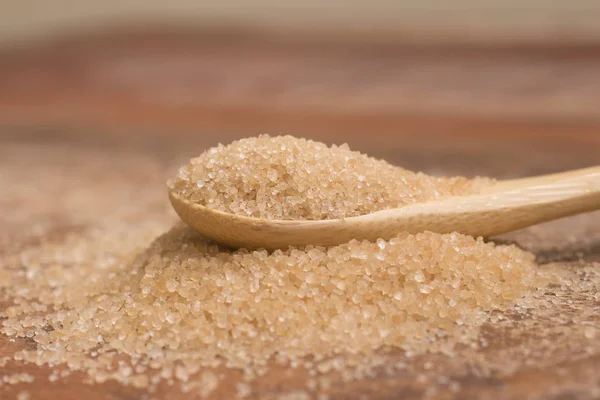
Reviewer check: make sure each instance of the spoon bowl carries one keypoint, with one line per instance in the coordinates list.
(505, 206)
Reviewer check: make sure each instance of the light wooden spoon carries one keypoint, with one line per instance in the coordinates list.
(506, 206)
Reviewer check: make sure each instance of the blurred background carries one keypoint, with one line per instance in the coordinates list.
(100, 101)
(439, 20)
(383, 68)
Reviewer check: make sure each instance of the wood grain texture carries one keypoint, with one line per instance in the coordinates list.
(195, 80)
(91, 102)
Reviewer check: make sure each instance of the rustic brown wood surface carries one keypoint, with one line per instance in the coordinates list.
(162, 98)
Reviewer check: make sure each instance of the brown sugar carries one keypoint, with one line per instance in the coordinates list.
(185, 303)
(117, 305)
(285, 177)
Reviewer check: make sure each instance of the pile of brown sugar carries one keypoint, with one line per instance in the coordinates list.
(185, 303)
(285, 177)
(182, 306)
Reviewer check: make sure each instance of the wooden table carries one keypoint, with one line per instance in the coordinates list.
(135, 105)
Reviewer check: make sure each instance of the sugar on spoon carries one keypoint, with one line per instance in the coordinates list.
(505, 206)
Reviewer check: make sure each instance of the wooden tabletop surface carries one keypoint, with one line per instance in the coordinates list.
(144, 102)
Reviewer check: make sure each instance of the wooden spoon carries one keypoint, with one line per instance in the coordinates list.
(506, 206)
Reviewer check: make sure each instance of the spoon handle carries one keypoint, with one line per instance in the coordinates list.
(589, 175)
(515, 204)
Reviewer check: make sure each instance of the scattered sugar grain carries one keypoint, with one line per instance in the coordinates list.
(589, 332)
(14, 379)
(208, 383)
(53, 377)
(454, 387)
(23, 395)
(243, 390)
(296, 395)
